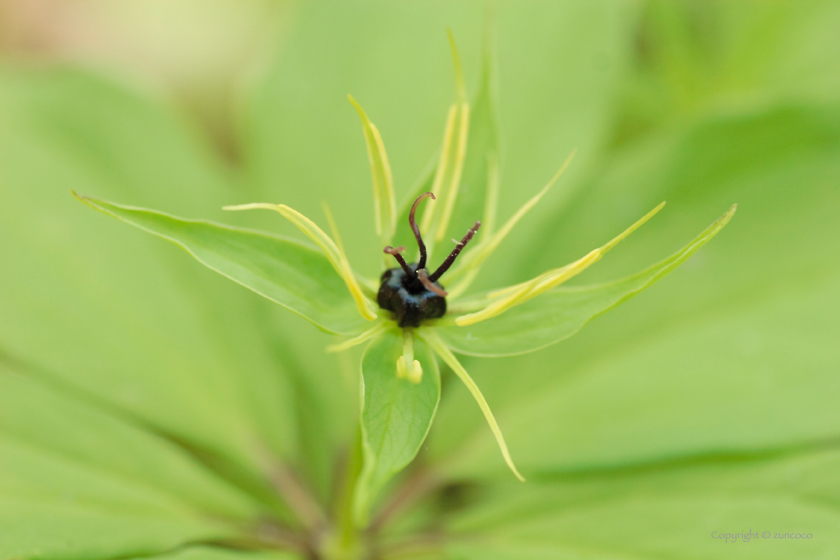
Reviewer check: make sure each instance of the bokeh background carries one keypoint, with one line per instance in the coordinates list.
(186, 105)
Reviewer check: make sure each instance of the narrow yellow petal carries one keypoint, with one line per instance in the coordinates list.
(475, 258)
(335, 255)
(506, 298)
(384, 201)
(615, 241)
(443, 351)
(361, 339)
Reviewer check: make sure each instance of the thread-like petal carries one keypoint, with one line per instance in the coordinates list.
(433, 340)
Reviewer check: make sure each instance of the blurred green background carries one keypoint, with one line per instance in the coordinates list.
(185, 105)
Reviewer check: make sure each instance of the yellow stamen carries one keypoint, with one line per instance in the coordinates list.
(443, 351)
(530, 289)
(506, 298)
(333, 253)
(448, 175)
(413, 374)
(407, 366)
(384, 202)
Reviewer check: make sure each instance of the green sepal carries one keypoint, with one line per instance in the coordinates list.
(396, 413)
(562, 312)
(285, 271)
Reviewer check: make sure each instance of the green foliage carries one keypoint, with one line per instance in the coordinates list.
(80, 482)
(396, 413)
(286, 272)
(563, 311)
(654, 513)
(152, 409)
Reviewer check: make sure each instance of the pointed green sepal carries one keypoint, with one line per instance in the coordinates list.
(562, 312)
(397, 411)
(296, 276)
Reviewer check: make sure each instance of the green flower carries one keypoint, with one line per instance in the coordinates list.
(400, 375)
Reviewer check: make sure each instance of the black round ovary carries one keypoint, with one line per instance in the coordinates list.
(408, 299)
(410, 292)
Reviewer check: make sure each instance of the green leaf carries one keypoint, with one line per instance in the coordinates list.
(732, 352)
(208, 553)
(286, 272)
(666, 512)
(396, 413)
(77, 482)
(561, 313)
(114, 314)
(56, 529)
(682, 72)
